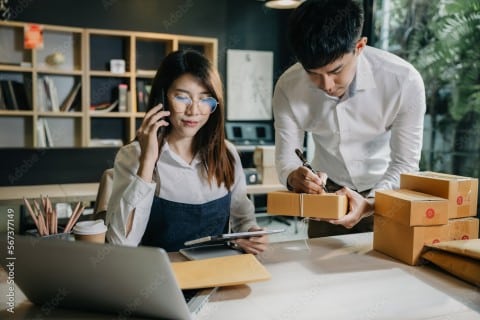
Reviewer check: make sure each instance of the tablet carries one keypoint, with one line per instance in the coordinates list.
(209, 251)
(232, 236)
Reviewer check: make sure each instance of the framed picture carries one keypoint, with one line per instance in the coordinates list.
(249, 85)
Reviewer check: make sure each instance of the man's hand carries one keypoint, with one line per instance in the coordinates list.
(305, 181)
(359, 208)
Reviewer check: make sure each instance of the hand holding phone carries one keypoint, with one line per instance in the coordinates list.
(162, 129)
(148, 137)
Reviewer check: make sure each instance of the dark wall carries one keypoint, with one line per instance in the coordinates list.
(244, 24)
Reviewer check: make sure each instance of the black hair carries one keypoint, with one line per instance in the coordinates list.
(322, 31)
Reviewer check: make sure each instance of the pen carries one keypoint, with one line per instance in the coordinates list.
(307, 165)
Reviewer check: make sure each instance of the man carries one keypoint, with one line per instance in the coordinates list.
(363, 106)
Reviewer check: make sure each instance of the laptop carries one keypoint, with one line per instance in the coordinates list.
(122, 280)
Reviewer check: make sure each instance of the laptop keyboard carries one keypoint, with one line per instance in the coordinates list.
(189, 294)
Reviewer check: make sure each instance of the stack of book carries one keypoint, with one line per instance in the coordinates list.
(48, 96)
(44, 134)
(121, 104)
(14, 96)
(143, 94)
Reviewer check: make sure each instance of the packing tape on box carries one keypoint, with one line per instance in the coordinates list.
(301, 204)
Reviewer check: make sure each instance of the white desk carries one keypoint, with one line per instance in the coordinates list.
(342, 278)
(324, 278)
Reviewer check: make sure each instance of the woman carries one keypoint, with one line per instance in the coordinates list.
(180, 180)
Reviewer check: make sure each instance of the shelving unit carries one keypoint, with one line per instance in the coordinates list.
(86, 55)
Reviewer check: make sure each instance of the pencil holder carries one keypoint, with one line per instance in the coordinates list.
(58, 236)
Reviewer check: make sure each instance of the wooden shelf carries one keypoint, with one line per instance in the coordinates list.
(111, 114)
(61, 72)
(60, 114)
(85, 56)
(12, 113)
(96, 73)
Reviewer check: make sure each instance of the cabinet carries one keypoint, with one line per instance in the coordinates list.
(76, 63)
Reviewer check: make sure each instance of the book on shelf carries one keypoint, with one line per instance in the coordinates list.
(68, 103)
(47, 95)
(3, 105)
(44, 135)
(48, 133)
(104, 107)
(122, 97)
(13, 96)
(143, 94)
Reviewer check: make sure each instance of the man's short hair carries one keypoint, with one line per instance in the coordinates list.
(321, 31)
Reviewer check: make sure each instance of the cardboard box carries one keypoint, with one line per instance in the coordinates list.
(264, 156)
(327, 206)
(411, 208)
(403, 242)
(268, 175)
(463, 229)
(462, 192)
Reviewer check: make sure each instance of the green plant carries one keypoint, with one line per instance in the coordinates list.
(442, 40)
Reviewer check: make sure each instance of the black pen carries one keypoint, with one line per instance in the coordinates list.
(307, 165)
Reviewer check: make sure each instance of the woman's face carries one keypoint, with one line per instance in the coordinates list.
(190, 105)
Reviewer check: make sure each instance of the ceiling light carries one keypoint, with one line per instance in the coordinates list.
(283, 4)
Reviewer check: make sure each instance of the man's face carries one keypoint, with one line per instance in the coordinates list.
(335, 77)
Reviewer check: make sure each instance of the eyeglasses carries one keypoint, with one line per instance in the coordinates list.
(205, 105)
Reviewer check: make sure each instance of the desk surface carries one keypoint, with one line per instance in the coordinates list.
(84, 192)
(328, 278)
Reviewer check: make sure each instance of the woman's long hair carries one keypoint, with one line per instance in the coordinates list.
(209, 142)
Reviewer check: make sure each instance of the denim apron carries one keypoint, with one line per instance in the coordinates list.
(172, 223)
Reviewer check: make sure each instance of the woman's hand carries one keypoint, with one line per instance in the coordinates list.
(254, 245)
(148, 139)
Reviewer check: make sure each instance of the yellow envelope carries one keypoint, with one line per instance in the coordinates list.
(217, 272)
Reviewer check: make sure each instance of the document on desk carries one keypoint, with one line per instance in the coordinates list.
(217, 272)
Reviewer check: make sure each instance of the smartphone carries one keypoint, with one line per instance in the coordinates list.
(163, 101)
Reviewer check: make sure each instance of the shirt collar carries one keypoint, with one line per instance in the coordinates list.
(168, 153)
(364, 76)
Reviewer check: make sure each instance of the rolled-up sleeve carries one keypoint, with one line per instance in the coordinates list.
(130, 195)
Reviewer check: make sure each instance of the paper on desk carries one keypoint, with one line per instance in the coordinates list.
(460, 258)
(222, 271)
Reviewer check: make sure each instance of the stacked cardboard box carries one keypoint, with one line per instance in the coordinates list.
(327, 206)
(429, 208)
(264, 161)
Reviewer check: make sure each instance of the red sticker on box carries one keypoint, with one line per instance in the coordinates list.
(430, 213)
(465, 237)
(459, 200)
(435, 241)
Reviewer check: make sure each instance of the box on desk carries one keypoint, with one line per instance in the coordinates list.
(461, 192)
(411, 208)
(327, 206)
(403, 242)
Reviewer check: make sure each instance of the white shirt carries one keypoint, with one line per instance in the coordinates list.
(363, 140)
(178, 181)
